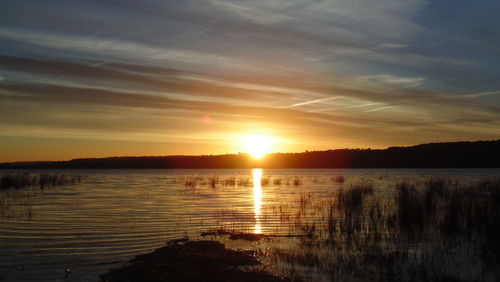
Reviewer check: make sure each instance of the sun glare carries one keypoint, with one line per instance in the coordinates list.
(257, 146)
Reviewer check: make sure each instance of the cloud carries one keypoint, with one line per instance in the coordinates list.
(481, 94)
(312, 102)
(64, 95)
(351, 70)
(360, 17)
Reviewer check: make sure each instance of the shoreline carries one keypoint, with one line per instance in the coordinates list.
(192, 260)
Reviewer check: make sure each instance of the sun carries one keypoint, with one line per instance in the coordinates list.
(257, 146)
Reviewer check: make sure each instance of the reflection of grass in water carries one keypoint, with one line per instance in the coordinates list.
(19, 191)
(16, 205)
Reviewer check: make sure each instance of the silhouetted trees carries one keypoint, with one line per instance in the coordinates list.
(480, 154)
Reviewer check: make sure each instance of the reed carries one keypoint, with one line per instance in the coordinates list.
(213, 181)
(338, 179)
(244, 182)
(409, 207)
(17, 181)
(297, 181)
(353, 197)
(409, 235)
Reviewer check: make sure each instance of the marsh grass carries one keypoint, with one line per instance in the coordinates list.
(17, 181)
(338, 179)
(195, 181)
(19, 191)
(420, 229)
(352, 198)
(424, 226)
(432, 230)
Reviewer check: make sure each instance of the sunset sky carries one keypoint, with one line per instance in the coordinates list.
(116, 78)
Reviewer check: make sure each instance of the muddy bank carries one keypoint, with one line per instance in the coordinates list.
(191, 261)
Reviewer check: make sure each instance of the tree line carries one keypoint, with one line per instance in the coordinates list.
(479, 154)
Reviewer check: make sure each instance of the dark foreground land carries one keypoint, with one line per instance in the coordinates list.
(480, 154)
(191, 261)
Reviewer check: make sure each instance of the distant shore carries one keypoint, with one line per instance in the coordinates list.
(478, 154)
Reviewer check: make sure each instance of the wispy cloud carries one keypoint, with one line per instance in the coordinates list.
(481, 94)
(311, 102)
(331, 73)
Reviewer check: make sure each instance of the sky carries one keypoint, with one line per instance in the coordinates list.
(133, 78)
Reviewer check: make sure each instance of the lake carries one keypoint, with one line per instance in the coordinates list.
(114, 215)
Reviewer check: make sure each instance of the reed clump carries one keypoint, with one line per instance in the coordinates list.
(193, 182)
(213, 181)
(265, 181)
(338, 179)
(425, 225)
(16, 199)
(297, 181)
(352, 198)
(17, 181)
(409, 207)
(277, 181)
(230, 181)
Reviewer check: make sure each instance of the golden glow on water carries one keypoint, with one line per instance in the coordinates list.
(116, 215)
(257, 198)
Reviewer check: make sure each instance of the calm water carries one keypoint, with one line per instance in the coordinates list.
(117, 214)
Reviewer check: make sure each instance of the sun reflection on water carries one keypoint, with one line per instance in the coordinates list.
(257, 198)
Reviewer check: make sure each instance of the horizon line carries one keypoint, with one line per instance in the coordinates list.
(243, 153)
